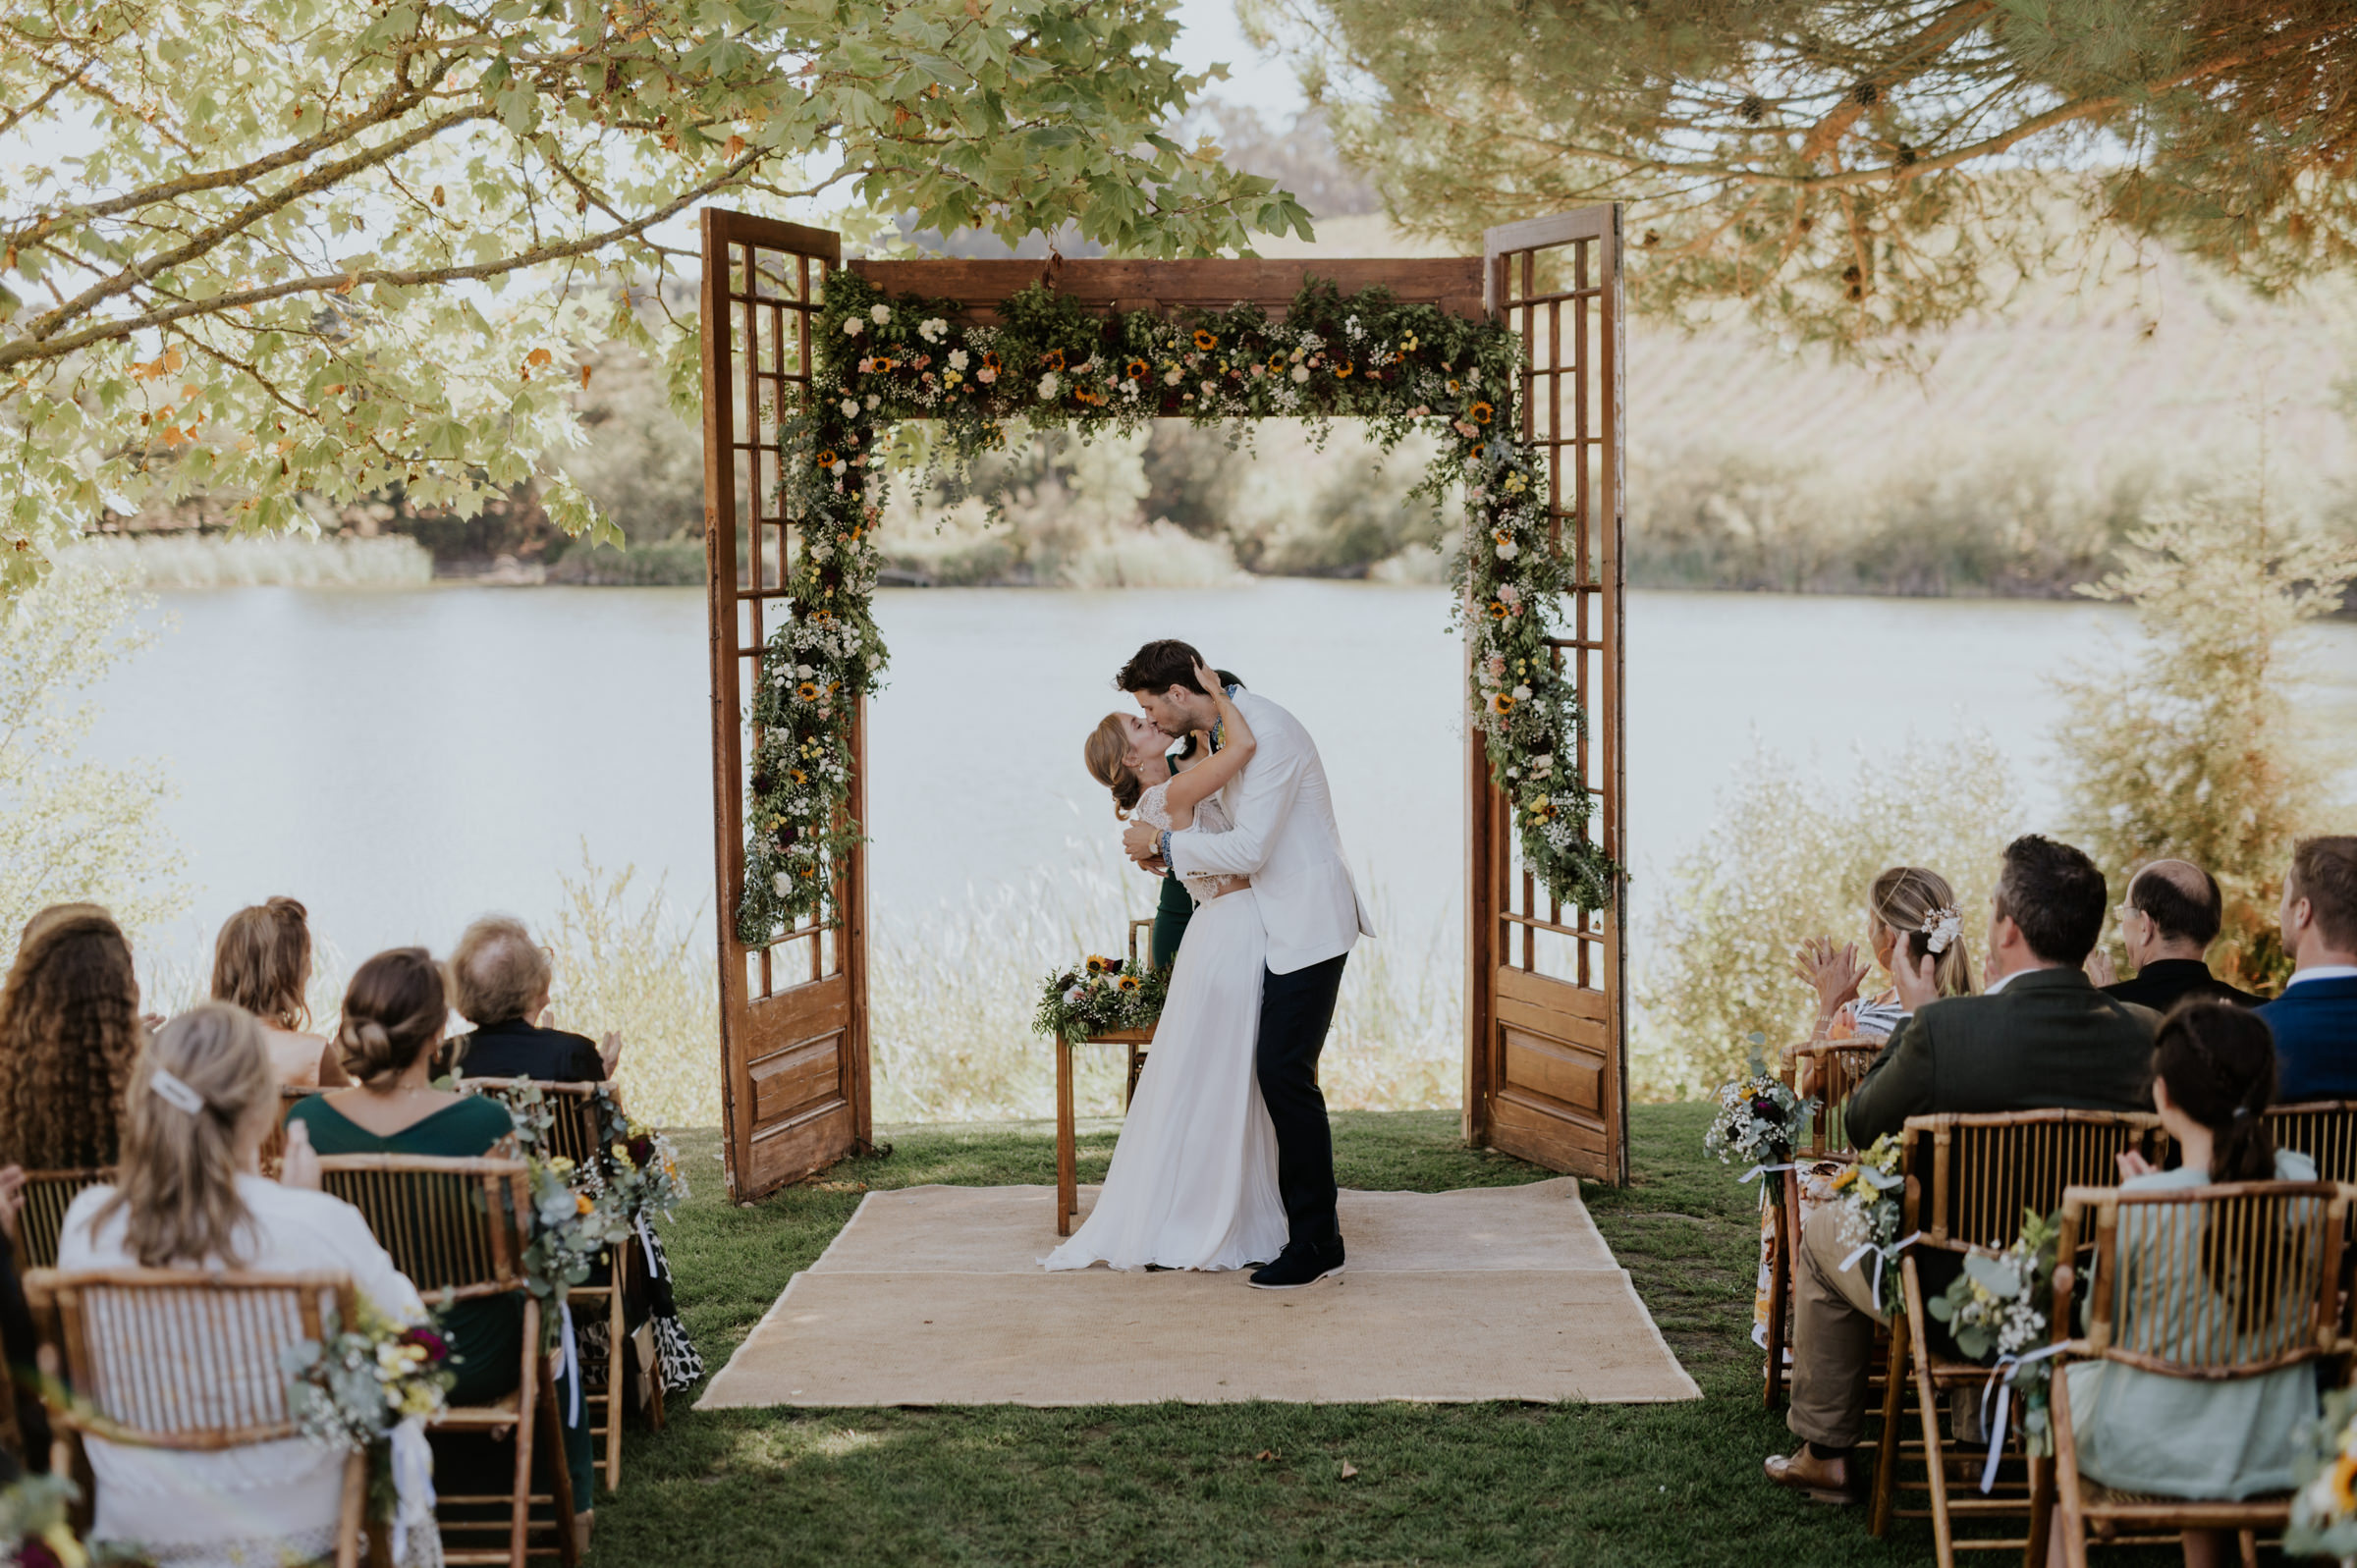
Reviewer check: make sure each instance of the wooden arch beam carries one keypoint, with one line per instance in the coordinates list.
(1453, 283)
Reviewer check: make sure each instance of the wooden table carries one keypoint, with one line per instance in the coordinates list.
(1068, 1157)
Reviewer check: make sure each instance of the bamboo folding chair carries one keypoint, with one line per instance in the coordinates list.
(48, 1194)
(188, 1360)
(1836, 1066)
(2213, 1284)
(458, 1229)
(1969, 1180)
(574, 1133)
(2325, 1130)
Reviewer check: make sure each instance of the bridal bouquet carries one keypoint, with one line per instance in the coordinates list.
(1759, 1118)
(1099, 998)
(1868, 1191)
(2324, 1511)
(2000, 1311)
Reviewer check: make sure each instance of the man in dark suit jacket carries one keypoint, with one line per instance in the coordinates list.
(2315, 1020)
(501, 977)
(2170, 919)
(2041, 1036)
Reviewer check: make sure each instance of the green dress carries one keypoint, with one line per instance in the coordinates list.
(2144, 1431)
(487, 1335)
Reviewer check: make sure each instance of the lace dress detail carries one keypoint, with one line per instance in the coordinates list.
(1210, 817)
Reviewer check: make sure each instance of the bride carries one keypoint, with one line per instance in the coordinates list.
(1194, 1180)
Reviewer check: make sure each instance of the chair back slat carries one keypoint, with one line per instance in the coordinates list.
(456, 1226)
(2222, 1282)
(183, 1358)
(1839, 1067)
(2325, 1130)
(48, 1194)
(574, 1131)
(1985, 1172)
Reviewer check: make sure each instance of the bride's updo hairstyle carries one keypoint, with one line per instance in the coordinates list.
(1108, 755)
(1919, 908)
(394, 1010)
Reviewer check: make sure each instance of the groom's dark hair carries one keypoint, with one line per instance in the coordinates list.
(1159, 666)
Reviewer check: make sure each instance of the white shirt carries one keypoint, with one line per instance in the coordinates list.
(2323, 972)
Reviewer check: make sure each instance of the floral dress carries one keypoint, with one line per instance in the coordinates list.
(1868, 1019)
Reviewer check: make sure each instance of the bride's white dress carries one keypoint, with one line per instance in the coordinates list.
(1194, 1179)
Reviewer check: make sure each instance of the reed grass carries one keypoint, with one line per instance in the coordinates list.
(629, 960)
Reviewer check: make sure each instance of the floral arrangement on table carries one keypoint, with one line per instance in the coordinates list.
(2323, 1510)
(1048, 362)
(350, 1389)
(1867, 1192)
(1999, 1312)
(1102, 996)
(1760, 1119)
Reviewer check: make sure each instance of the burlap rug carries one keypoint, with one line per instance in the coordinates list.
(934, 1296)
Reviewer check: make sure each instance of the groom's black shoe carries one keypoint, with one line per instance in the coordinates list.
(1301, 1264)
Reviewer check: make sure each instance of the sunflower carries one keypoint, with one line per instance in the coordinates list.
(1138, 369)
(1100, 966)
(1502, 702)
(1277, 365)
(1342, 369)
(1053, 359)
(1128, 982)
(807, 691)
(1480, 413)
(1206, 341)
(990, 361)
(1498, 611)
(1478, 448)
(1452, 386)
(825, 458)
(797, 776)
(886, 364)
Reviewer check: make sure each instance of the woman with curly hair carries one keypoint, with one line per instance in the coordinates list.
(69, 1030)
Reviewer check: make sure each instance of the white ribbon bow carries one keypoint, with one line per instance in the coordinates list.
(2001, 1383)
(412, 1483)
(1882, 1256)
(572, 1367)
(1757, 1171)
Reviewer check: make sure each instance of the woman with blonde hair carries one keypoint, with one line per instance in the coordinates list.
(189, 1194)
(70, 1028)
(1905, 904)
(263, 962)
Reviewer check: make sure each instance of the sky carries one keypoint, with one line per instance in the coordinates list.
(1209, 35)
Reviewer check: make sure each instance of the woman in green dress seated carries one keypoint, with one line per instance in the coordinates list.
(394, 1015)
(2214, 1074)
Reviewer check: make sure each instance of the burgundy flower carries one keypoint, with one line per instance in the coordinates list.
(35, 1553)
(642, 1150)
(436, 1347)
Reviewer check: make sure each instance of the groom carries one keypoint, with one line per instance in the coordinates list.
(1285, 840)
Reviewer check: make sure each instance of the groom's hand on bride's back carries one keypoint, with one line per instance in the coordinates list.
(1139, 842)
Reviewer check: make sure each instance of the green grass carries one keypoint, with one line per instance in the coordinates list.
(1585, 1485)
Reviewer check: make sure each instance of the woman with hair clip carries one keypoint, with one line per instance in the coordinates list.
(189, 1194)
(2214, 1075)
(263, 962)
(70, 1028)
(1905, 904)
(395, 1011)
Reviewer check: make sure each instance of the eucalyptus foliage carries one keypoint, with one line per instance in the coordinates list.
(1850, 170)
(300, 247)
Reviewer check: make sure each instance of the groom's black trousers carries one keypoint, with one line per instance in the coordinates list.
(1294, 1010)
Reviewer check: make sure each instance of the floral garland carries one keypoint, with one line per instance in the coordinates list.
(350, 1389)
(1048, 362)
(1867, 1191)
(1100, 997)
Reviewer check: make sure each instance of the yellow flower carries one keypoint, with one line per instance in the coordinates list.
(825, 458)
(807, 691)
(1451, 386)
(64, 1547)
(1128, 982)
(1205, 340)
(1502, 702)
(581, 1203)
(2344, 1484)
(1053, 359)
(1481, 412)
(1342, 369)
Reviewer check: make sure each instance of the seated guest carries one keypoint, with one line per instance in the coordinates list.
(394, 1012)
(2214, 1071)
(2167, 922)
(28, 1446)
(189, 1194)
(1907, 906)
(263, 962)
(70, 1028)
(2041, 1036)
(2315, 1020)
(502, 977)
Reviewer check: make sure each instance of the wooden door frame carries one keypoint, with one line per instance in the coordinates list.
(1466, 286)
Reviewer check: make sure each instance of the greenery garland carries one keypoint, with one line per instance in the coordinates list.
(1048, 362)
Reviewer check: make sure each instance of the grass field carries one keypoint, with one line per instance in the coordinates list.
(1173, 1483)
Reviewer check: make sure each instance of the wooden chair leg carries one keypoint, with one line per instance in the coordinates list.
(1886, 1455)
(2070, 1520)
(616, 1357)
(1928, 1407)
(561, 1501)
(1068, 1160)
(2042, 1511)
(527, 1390)
(354, 1506)
(1780, 1285)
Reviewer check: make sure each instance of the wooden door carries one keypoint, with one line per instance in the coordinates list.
(792, 1009)
(1546, 1050)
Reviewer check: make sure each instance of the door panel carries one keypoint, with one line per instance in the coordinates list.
(792, 1019)
(1546, 1060)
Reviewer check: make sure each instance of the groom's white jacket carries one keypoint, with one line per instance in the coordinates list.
(1286, 841)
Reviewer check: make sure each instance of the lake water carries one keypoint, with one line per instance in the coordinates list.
(404, 760)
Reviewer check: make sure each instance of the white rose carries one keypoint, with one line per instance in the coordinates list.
(1521, 693)
(1172, 378)
(850, 406)
(1047, 385)
(1073, 995)
(873, 400)
(1508, 550)
(1298, 372)
(803, 672)
(936, 328)
(851, 328)
(879, 314)
(1206, 388)
(781, 884)
(956, 358)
